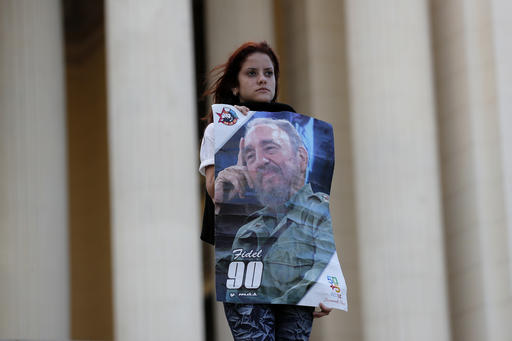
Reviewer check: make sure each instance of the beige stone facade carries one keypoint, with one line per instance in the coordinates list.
(100, 198)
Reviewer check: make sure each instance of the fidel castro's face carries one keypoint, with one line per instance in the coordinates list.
(256, 79)
(274, 167)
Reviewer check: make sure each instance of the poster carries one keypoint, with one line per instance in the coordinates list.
(273, 230)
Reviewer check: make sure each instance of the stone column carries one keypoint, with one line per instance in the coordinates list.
(153, 170)
(472, 167)
(34, 289)
(230, 23)
(397, 182)
(311, 44)
(502, 29)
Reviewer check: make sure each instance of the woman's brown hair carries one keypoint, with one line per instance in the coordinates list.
(227, 74)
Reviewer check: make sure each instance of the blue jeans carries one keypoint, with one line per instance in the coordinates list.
(269, 322)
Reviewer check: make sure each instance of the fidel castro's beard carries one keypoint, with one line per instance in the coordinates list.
(277, 195)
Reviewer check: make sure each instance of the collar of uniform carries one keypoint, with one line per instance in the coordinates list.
(297, 202)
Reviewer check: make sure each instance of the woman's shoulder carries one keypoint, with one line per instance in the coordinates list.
(209, 131)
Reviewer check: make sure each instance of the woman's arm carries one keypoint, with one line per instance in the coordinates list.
(210, 181)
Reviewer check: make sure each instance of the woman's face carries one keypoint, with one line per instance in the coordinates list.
(256, 80)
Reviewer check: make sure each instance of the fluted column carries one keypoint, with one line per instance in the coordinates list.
(230, 23)
(153, 160)
(34, 289)
(502, 30)
(472, 167)
(311, 45)
(396, 171)
(293, 36)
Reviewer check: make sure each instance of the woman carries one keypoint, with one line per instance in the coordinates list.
(249, 80)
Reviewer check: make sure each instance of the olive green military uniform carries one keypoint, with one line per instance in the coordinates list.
(294, 261)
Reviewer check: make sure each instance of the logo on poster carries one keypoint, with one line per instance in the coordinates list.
(227, 116)
(334, 286)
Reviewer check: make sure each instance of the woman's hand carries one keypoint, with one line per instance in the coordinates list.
(243, 109)
(324, 311)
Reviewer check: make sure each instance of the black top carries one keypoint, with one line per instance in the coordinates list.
(208, 230)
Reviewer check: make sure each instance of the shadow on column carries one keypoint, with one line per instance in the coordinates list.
(88, 167)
